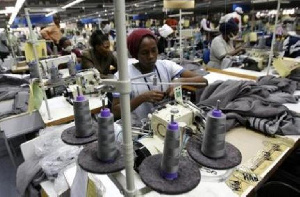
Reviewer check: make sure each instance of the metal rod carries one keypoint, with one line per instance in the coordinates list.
(180, 37)
(124, 97)
(273, 39)
(144, 75)
(33, 42)
(168, 83)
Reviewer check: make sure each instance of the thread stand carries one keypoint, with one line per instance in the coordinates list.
(170, 173)
(213, 151)
(188, 176)
(105, 156)
(85, 129)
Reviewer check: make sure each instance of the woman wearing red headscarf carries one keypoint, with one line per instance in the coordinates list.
(142, 45)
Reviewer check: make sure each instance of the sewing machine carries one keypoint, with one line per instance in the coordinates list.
(260, 56)
(48, 63)
(88, 80)
(186, 114)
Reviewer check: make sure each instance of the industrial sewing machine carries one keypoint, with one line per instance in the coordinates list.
(48, 63)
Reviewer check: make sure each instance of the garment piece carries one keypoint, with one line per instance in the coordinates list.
(219, 49)
(249, 104)
(27, 172)
(283, 84)
(167, 71)
(52, 32)
(291, 46)
(102, 63)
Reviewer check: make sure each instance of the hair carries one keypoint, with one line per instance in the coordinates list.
(98, 38)
(229, 27)
(56, 16)
(62, 41)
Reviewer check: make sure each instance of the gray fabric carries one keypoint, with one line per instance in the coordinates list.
(282, 97)
(27, 172)
(244, 100)
(295, 76)
(285, 85)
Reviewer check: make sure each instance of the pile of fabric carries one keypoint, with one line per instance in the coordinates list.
(16, 88)
(258, 105)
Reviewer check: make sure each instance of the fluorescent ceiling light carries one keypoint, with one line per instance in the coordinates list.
(18, 6)
(7, 10)
(72, 3)
(51, 13)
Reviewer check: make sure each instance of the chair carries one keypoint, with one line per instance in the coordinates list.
(277, 189)
(206, 54)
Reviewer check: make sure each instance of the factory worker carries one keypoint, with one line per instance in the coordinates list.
(164, 32)
(142, 45)
(67, 48)
(52, 32)
(291, 44)
(222, 45)
(99, 56)
(236, 16)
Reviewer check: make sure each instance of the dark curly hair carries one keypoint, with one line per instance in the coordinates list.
(97, 38)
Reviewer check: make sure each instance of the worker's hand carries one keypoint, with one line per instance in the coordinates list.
(153, 96)
(170, 91)
(241, 50)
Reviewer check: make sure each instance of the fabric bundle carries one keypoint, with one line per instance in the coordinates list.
(256, 105)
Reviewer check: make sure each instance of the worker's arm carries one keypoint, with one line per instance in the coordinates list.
(46, 33)
(188, 77)
(86, 60)
(204, 25)
(236, 51)
(150, 96)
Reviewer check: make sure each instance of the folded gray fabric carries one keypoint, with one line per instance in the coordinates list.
(249, 104)
(282, 97)
(284, 84)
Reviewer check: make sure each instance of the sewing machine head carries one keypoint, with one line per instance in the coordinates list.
(48, 63)
(186, 114)
(89, 80)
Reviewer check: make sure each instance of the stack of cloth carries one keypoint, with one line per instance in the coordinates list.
(257, 105)
(16, 88)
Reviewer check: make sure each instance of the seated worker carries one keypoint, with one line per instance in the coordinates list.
(67, 48)
(99, 56)
(222, 45)
(142, 45)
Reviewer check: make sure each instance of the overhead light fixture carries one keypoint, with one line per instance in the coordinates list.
(51, 13)
(8, 10)
(72, 3)
(18, 6)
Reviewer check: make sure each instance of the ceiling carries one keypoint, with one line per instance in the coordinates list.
(104, 8)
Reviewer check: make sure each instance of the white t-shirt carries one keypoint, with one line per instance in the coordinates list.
(227, 17)
(219, 48)
(165, 70)
(3, 48)
(204, 25)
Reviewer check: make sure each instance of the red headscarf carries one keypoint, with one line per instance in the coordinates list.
(134, 40)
